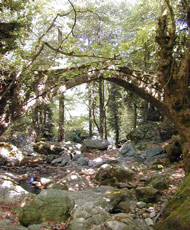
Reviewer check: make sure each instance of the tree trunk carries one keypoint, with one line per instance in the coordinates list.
(35, 120)
(175, 79)
(113, 110)
(105, 125)
(145, 112)
(134, 115)
(61, 131)
(90, 113)
(101, 108)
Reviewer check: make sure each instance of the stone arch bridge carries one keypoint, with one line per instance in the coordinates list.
(144, 85)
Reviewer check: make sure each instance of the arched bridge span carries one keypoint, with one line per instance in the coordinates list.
(141, 84)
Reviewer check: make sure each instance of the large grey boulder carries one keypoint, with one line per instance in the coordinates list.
(80, 159)
(154, 152)
(147, 194)
(48, 147)
(98, 143)
(87, 215)
(127, 150)
(114, 198)
(20, 140)
(158, 182)
(63, 160)
(145, 131)
(54, 205)
(10, 154)
(105, 197)
(112, 175)
(10, 191)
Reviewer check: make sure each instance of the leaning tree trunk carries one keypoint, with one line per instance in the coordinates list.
(175, 79)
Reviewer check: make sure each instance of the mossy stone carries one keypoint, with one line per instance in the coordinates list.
(112, 175)
(147, 194)
(158, 182)
(54, 205)
(176, 215)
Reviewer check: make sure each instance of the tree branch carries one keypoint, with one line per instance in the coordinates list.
(75, 18)
(173, 29)
(72, 29)
(73, 54)
(51, 26)
(84, 11)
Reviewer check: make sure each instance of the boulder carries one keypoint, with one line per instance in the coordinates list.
(127, 150)
(99, 143)
(10, 191)
(88, 215)
(20, 140)
(141, 204)
(99, 161)
(145, 131)
(149, 221)
(112, 175)
(48, 147)
(114, 199)
(82, 161)
(154, 152)
(158, 182)
(106, 197)
(63, 160)
(10, 154)
(54, 205)
(28, 149)
(147, 194)
(126, 206)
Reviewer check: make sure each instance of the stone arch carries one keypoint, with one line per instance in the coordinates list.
(135, 81)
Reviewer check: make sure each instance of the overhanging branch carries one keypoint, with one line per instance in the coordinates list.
(73, 54)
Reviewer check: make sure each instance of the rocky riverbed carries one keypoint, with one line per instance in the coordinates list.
(50, 185)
